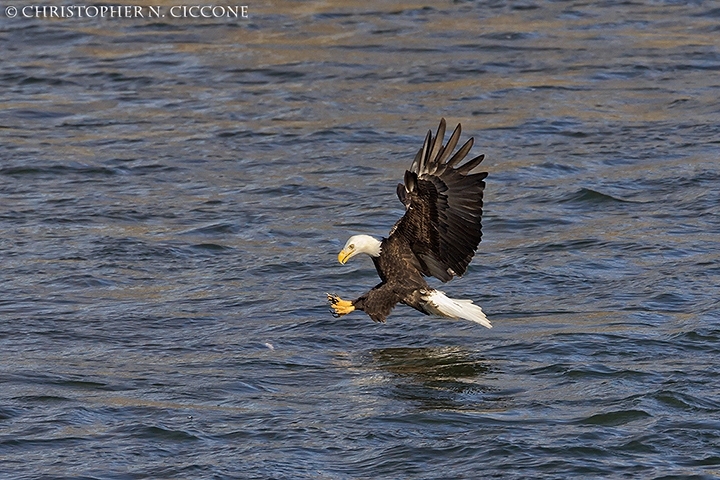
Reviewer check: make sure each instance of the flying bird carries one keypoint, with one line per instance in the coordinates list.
(437, 236)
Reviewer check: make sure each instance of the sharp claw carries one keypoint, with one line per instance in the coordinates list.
(339, 307)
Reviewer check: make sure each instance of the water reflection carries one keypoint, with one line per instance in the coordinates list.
(430, 363)
(437, 378)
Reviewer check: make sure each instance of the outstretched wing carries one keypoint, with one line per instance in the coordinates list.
(443, 217)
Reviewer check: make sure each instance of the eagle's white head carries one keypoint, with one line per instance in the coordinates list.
(359, 244)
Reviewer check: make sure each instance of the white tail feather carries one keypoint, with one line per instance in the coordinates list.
(440, 304)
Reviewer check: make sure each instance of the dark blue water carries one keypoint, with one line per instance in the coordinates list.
(174, 192)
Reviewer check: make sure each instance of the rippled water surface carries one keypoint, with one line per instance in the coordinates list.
(174, 192)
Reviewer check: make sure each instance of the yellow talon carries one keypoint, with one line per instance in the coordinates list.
(341, 307)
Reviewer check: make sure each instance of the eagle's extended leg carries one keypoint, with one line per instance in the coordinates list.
(340, 307)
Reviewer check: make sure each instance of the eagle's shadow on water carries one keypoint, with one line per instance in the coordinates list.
(438, 378)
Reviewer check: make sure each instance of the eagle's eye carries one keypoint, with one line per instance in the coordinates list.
(351, 246)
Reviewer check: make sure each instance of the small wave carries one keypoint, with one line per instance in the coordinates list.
(558, 168)
(214, 229)
(23, 170)
(587, 195)
(616, 418)
(87, 280)
(687, 402)
(43, 399)
(568, 245)
(211, 248)
(165, 434)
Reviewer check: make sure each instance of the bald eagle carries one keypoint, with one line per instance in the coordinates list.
(437, 236)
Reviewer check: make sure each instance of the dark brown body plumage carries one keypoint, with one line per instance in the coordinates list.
(399, 282)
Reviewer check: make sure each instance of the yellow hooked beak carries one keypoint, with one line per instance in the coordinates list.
(343, 256)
